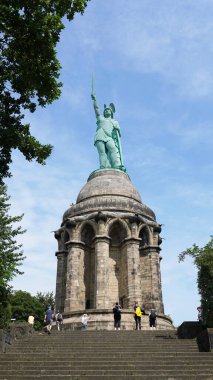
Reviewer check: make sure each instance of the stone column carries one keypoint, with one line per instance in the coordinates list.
(146, 278)
(60, 292)
(101, 271)
(75, 288)
(151, 278)
(156, 279)
(131, 250)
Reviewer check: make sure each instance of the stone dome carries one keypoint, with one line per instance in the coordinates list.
(108, 182)
(109, 190)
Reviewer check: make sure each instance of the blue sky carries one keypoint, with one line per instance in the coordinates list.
(153, 60)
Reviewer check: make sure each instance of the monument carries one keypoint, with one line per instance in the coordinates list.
(109, 243)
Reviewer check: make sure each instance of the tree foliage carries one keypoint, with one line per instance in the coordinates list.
(46, 299)
(203, 259)
(20, 304)
(11, 255)
(5, 308)
(24, 304)
(29, 70)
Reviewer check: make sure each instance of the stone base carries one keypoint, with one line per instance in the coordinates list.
(103, 320)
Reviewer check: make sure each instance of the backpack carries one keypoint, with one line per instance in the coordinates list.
(138, 311)
(59, 317)
(153, 314)
(117, 311)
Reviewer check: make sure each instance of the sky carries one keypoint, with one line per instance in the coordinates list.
(153, 60)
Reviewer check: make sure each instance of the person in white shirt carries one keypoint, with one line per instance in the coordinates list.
(84, 321)
(31, 320)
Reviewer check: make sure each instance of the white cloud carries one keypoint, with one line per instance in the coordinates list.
(170, 39)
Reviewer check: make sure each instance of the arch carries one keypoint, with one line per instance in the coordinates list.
(63, 237)
(145, 236)
(87, 234)
(117, 231)
(66, 237)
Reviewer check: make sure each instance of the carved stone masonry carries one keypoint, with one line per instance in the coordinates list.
(109, 247)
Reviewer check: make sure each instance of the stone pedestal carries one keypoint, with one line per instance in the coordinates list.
(109, 248)
(102, 319)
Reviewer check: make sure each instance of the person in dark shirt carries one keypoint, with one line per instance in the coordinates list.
(117, 316)
(152, 319)
(48, 318)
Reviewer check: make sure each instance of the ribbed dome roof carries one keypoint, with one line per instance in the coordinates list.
(108, 182)
(109, 190)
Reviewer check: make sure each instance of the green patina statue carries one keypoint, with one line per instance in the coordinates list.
(107, 137)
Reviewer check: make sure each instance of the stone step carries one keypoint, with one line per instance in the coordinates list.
(111, 339)
(99, 345)
(117, 339)
(119, 372)
(106, 365)
(69, 340)
(111, 347)
(110, 356)
(96, 341)
(75, 353)
(110, 377)
(92, 352)
(77, 361)
(109, 334)
(109, 361)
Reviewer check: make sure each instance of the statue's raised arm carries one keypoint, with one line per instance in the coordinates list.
(95, 105)
(107, 137)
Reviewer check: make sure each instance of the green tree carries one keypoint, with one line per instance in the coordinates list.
(11, 255)
(29, 70)
(203, 259)
(46, 299)
(23, 304)
(5, 308)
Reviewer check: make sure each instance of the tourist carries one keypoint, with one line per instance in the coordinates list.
(117, 316)
(152, 319)
(48, 319)
(84, 321)
(59, 320)
(138, 315)
(200, 317)
(31, 320)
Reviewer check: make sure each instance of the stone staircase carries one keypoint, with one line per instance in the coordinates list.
(108, 355)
